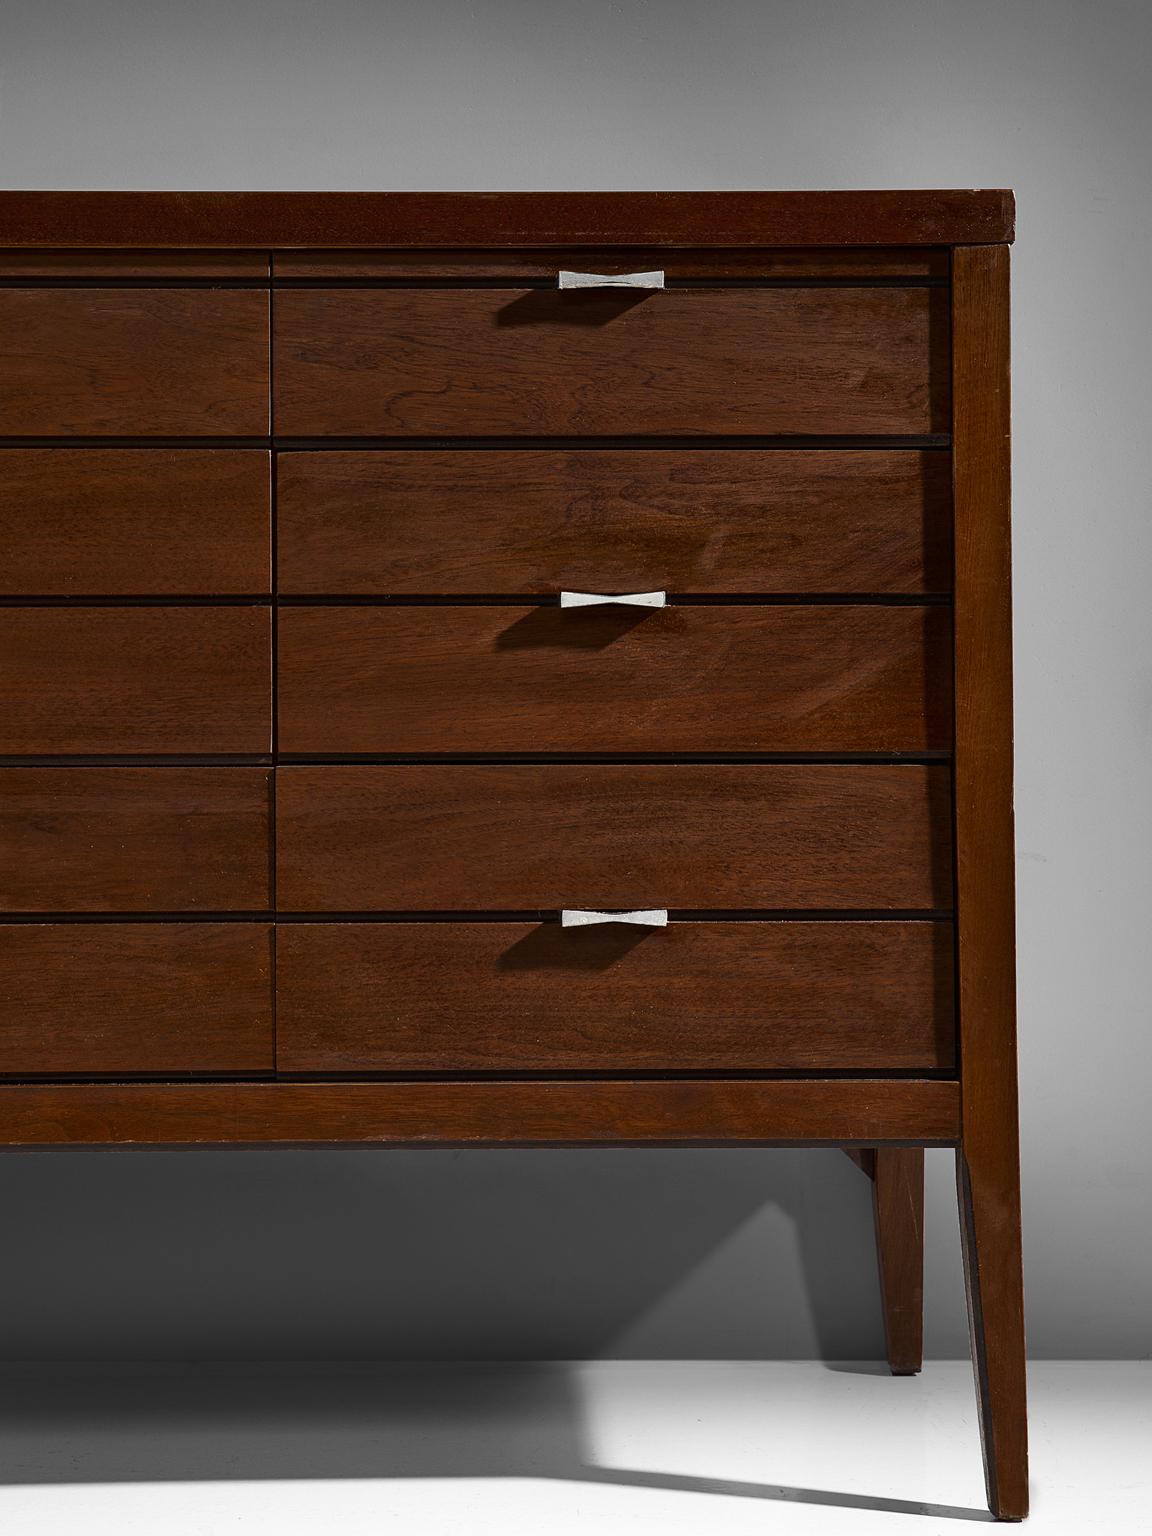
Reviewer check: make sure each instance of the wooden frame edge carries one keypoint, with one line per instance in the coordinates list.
(331, 220)
(988, 1160)
(569, 1112)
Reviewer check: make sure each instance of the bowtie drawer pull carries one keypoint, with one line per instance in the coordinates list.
(632, 599)
(654, 917)
(610, 280)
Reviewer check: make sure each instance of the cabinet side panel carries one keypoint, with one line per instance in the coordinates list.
(985, 898)
(985, 890)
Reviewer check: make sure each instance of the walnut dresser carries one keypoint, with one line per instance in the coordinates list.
(518, 670)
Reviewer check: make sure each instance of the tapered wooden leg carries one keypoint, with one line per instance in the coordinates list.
(897, 1175)
(898, 1207)
(989, 1194)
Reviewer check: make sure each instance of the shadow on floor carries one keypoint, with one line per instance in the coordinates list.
(151, 1424)
(437, 1255)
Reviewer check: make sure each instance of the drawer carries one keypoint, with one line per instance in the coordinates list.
(768, 678)
(688, 836)
(103, 522)
(386, 362)
(135, 998)
(632, 520)
(133, 362)
(134, 839)
(713, 996)
(168, 680)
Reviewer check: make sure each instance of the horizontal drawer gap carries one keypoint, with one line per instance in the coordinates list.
(259, 282)
(571, 443)
(522, 915)
(158, 441)
(138, 760)
(574, 442)
(492, 759)
(546, 600)
(668, 1074)
(135, 600)
(914, 1074)
(518, 284)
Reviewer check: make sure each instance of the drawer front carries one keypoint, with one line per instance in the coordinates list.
(776, 678)
(168, 680)
(135, 998)
(692, 837)
(133, 362)
(489, 997)
(386, 362)
(103, 522)
(699, 521)
(134, 839)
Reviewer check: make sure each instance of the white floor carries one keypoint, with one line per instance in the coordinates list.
(651, 1447)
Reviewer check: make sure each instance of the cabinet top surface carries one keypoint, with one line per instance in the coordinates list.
(332, 220)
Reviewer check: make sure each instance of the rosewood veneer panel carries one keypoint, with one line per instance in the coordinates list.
(135, 998)
(605, 361)
(138, 521)
(164, 680)
(678, 679)
(610, 837)
(133, 362)
(700, 521)
(135, 839)
(490, 997)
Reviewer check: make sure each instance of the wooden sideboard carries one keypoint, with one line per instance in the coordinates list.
(442, 703)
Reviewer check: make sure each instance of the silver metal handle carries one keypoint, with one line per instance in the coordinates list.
(655, 917)
(610, 280)
(633, 599)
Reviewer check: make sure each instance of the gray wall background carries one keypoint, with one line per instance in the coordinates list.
(504, 1255)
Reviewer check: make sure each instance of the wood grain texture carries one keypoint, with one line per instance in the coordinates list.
(861, 264)
(137, 521)
(610, 837)
(602, 361)
(636, 520)
(500, 219)
(898, 1213)
(133, 264)
(472, 1114)
(455, 355)
(527, 997)
(83, 680)
(678, 679)
(133, 362)
(134, 998)
(989, 1167)
(135, 839)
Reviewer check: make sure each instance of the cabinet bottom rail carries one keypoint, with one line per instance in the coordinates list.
(568, 1113)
